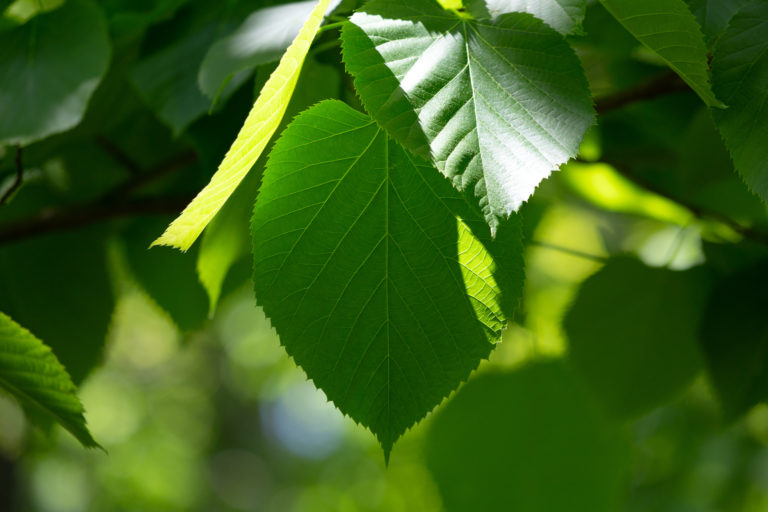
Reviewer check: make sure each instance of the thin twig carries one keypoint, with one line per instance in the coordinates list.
(661, 85)
(569, 251)
(17, 180)
(118, 155)
(145, 178)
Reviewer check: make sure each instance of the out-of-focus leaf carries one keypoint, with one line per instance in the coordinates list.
(169, 277)
(376, 290)
(497, 105)
(30, 372)
(668, 28)
(565, 16)
(734, 337)
(263, 37)
(528, 440)
(50, 67)
(633, 333)
(740, 78)
(58, 286)
(262, 121)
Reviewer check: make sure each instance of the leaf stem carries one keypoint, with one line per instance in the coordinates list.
(17, 180)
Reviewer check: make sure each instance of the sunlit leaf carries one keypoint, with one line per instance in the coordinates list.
(50, 67)
(259, 127)
(31, 373)
(376, 290)
(565, 16)
(668, 28)
(497, 105)
(740, 78)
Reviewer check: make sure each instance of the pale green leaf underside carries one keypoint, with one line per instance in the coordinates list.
(377, 291)
(740, 78)
(497, 105)
(565, 16)
(49, 68)
(31, 373)
(669, 29)
(260, 125)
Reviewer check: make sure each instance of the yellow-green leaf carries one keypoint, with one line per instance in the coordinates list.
(261, 124)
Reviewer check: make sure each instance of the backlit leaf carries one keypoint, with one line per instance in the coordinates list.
(565, 16)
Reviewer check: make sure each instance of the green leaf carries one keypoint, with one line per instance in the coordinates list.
(59, 287)
(740, 78)
(261, 124)
(167, 80)
(262, 38)
(51, 66)
(31, 373)
(633, 334)
(669, 29)
(713, 15)
(530, 440)
(377, 291)
(734, 337)
(565, 16)
(497, 105)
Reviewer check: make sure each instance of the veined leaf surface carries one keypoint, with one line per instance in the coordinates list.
(740, 77)
(496, 104)
(385, 299)
(31, 373)
(669, 29)
(565, 16)
(259, 127)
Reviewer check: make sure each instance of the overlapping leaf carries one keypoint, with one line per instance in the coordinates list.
(668, 28)
(565, 16)
(31, 373)
(259, 127)
(497, 105)
(740, 78)
(377, 291)
(713, 15)
(50, 67)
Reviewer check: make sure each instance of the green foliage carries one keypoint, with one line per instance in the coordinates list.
(669, 29)
(642, 349)
(531, 439)
(740, 78)
(398, 299)
(51, 66)
(31, 373)
(565, 16)
(456, 90)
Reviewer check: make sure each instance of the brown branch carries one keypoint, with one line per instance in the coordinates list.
(17, 180)
(661, 85)
(52, 220)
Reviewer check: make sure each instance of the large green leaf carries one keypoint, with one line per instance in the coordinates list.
(565, 16)
(50, 67)
(261, 124)
(263, 37)
(31, 373)
(530, 440)
(669, 29)
(497, 105)
(633, 333)
(734, 337)
(740, 78)
(378, 292)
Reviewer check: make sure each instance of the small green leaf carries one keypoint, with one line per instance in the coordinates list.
(262, 38)
(497, 105)
(565, 16)
(633, 333)
(740, 78)
(31, 373)
(377, 291)
(50, 67)
(261, 124)
(713, 15)
(529, 440)
(669, 29)
(734, 337)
